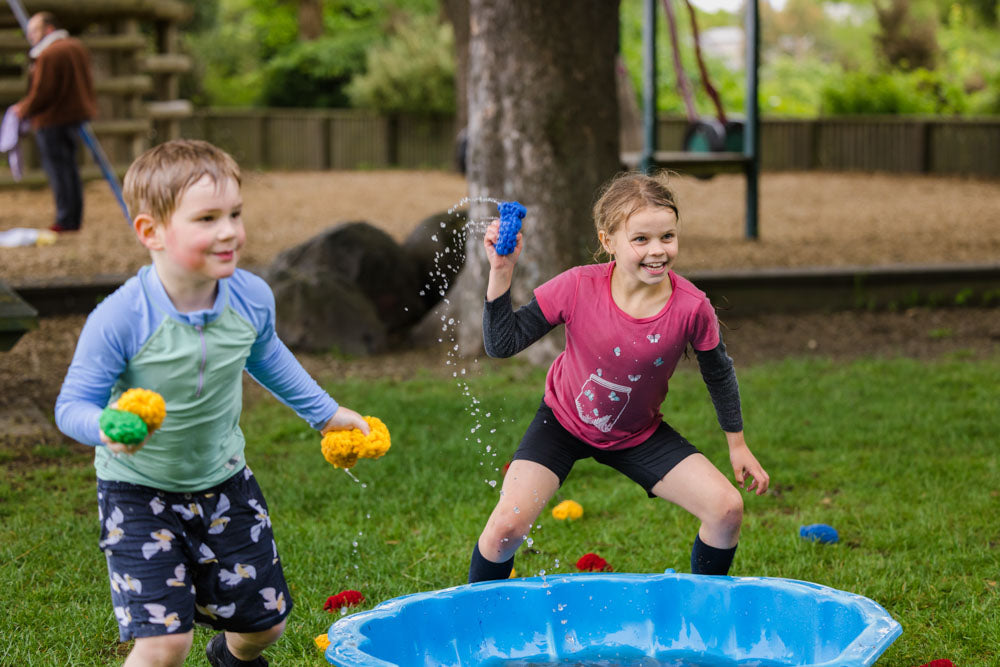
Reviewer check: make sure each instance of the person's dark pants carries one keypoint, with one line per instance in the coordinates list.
(57, 146)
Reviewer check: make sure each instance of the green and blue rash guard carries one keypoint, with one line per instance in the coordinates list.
(136, 338)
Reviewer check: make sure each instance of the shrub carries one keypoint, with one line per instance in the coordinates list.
(414, 71)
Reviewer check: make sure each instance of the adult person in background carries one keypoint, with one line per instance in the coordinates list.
(60, 97)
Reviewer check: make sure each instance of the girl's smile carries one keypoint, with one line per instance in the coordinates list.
(644, 247)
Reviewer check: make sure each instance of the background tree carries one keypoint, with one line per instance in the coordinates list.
(310, 20)
(908, 41)
(456, 12)
(543, 129)
(413, 71)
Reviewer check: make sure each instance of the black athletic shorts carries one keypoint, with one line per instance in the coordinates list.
(546, 442)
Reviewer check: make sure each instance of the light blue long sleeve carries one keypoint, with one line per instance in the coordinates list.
(119, 327)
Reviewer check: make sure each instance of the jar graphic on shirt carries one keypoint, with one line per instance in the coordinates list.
(600, 403)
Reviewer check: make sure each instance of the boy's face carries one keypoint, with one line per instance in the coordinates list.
(205, 232)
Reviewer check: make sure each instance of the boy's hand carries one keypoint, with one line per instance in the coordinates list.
(344, 419)
(119, 448)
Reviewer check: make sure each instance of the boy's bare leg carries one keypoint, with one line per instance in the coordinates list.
(162, 651)
(249, 645)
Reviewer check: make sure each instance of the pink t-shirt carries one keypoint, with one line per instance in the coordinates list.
(607, 386)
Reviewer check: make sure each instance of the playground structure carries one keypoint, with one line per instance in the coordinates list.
(709, 146)
(134, 46)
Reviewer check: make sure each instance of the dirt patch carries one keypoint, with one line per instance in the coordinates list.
(806, 220)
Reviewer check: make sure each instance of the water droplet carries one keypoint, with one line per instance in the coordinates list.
(492, 483)
(517, 510)
(529, 542)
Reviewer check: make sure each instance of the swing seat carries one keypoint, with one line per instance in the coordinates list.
(694, 164)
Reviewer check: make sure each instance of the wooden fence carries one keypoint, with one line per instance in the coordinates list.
(310, 139)
(343, 139)
(327, 139)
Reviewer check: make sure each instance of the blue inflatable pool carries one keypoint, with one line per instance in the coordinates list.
(610, 620)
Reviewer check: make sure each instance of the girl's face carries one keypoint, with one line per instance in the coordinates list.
(644, 246)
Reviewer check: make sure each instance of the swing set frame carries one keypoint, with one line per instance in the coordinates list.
(746, 161)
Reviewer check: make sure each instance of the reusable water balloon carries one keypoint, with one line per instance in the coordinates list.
(138, 411)
(819, 532)
(567, 509)
(123, 426)
(343, 448)
(348, 598)
(591, 562)
(617, 620)
(148, 404)
(511, 214)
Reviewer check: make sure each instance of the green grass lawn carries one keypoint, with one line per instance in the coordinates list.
(900, 456)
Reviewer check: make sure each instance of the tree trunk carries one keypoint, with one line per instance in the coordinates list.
(457, 14)
(543, 130)
(310, 20)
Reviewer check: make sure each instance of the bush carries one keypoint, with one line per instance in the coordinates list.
(313, 74)
(918, 92)
(414, 71)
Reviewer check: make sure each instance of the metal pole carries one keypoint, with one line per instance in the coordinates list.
(751, 133)
(19, 14)
(648, 160)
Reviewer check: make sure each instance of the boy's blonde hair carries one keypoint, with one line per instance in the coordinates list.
(627, 193)
(156, 180)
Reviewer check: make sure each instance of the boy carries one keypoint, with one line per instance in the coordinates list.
(184, 525)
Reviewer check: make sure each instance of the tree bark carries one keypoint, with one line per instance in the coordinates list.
(456, 12)
(310, 20)
(543, 130)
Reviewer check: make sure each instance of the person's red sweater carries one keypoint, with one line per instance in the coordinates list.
(62, 86)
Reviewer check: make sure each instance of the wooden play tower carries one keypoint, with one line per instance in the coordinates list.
(135, 50)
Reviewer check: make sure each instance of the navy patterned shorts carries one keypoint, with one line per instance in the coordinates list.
(179, 558)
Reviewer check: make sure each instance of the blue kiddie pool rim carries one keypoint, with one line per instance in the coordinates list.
(880, 629)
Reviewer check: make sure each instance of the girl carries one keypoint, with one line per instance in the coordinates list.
(627, 324)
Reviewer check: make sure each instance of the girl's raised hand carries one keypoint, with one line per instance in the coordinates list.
(497, 261)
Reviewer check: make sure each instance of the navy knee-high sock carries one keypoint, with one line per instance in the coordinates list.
(710, 560)
(481, 569)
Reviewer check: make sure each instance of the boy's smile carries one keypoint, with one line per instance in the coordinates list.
(205, 233)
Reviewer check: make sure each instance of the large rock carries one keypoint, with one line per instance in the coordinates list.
(437, 245)
(349, 289)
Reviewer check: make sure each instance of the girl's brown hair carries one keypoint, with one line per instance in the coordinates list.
(627, 193)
